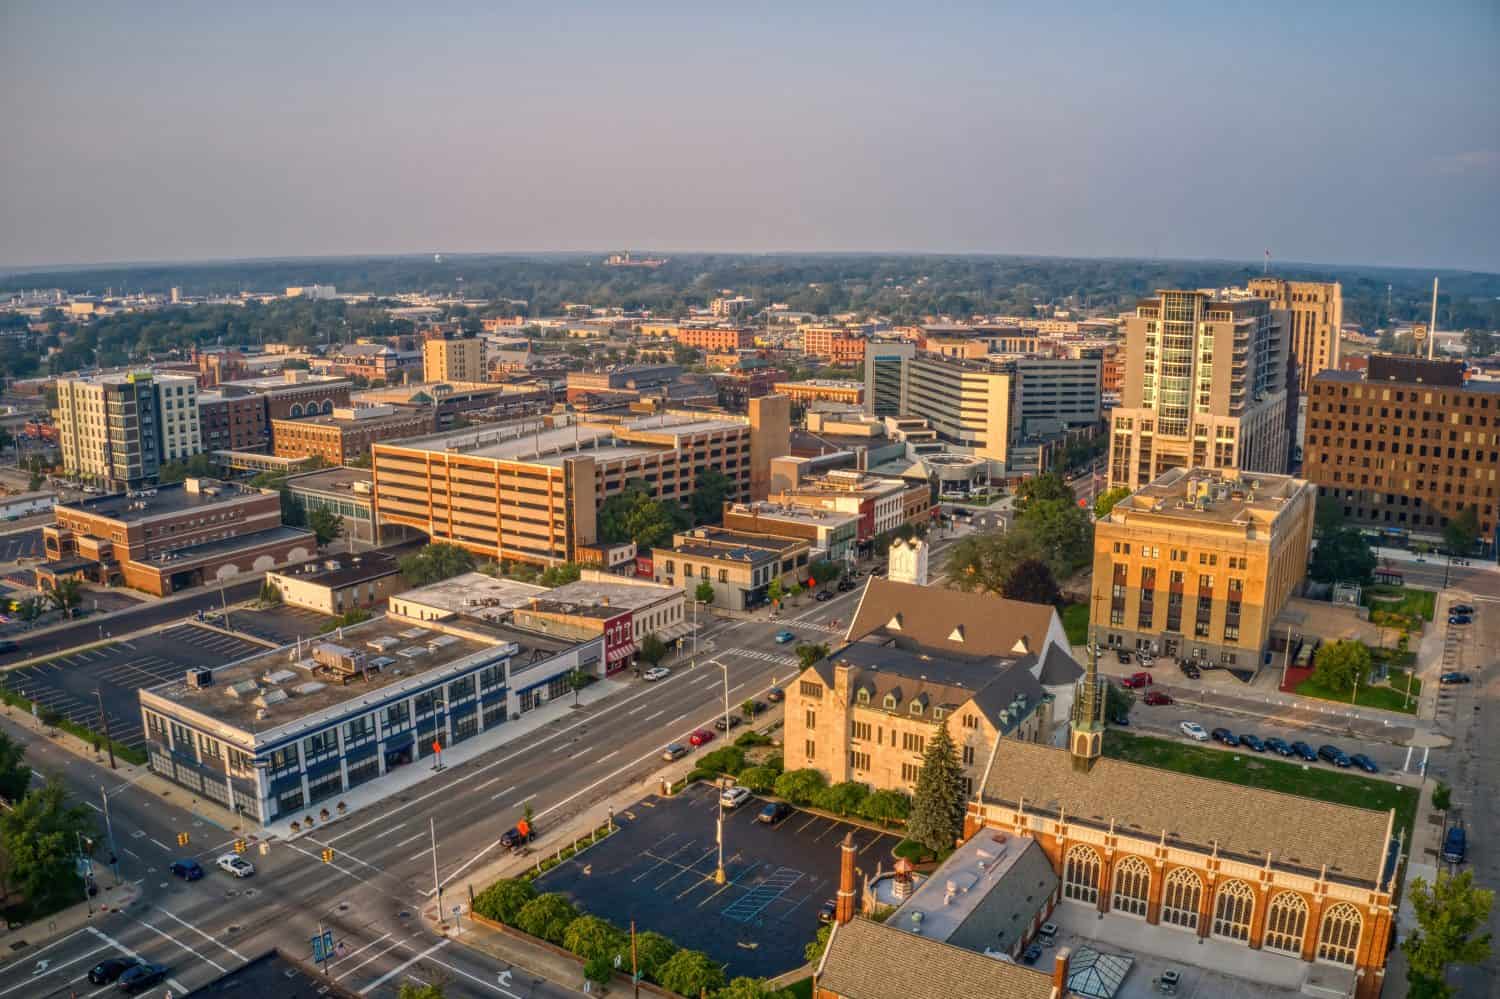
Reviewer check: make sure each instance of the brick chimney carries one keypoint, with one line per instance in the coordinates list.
(1060, 972)
(844, 907)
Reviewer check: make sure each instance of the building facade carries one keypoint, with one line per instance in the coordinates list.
(881, 504)
(823, 390)
(1406, 446)
(714, 338)
(340, 583)
(1198, 564)
(346, 492)
(233, 423)
(348, 434)
(885, 377)
(839, 347)
(118, 430)
(833, 536)
(739, 567)
(1315, 318)
(453, 358)
(620, 610)
(1205, 387)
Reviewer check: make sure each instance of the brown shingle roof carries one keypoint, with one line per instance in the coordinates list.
(929, 615)
(868, 960)
(1298, 833)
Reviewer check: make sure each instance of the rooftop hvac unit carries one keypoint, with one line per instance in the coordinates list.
(200, 678)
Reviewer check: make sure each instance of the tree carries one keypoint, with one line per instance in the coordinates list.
(1032, 581)
(411, 990)
(886, 807)
(29, 609)
(704, 592)
(985, 561)
(1105, 501)
(774, 591)
(937, 808)
(635, 515)
(1451, 915)
(1042, 488)
(751, 988)
(1462, 531)
(547, 916)
(1442, 797)
(747, 709)
(1342, 556)
(1117, 700)
(800, 787)
(559, 575)
(759, 780)
(504, 900)
(824, 571)
(66, 595)
(843, 798)
(1061, 529)
(1341, 664)
(810, 652)
(194, 467)
(40, 835)
(590, 937)
(690, 972)
(709, 493)
(813, 952)
(577, 680)
(326, 524)
(435, 563)
(15, 774)
(653, 649)
(599, 970)
(652, 952)
(1328, 516)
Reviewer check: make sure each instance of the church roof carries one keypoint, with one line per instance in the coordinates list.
(944, 620)
(869, 960)
(1247, 823)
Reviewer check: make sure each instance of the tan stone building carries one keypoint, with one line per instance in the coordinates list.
(340, 583)
(1315, 316)
(452, 358)
(1198, 564)
(1205, 387)
(740, 567)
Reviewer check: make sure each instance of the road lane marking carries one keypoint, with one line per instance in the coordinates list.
(377, 983)
(608, 756)
(205, 936)
(524, 800)
(50, 968)
(374, 957)
(419, 856)
(411, 839)
(392, 829)
(500, 794)
(351, 956)
(488, 783)
(657, 715)
(184, 946)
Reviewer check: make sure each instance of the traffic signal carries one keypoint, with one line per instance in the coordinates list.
(327, 855)
(239, 846)
(182, 839)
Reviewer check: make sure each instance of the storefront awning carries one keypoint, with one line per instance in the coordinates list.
(622, 652)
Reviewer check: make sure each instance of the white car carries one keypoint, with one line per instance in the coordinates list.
(734, 797)
(236, 865)
(656, 673)
(1194, 731)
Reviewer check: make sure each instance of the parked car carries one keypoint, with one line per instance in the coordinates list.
(1461, 609)
(236, 865)
(757, 707)
(827, 911)
(700, 737)
(775, 695)
(822, 595)
(845, 585)
(1155, 697)
(1364, 763)
(1141, 679)
(1279, 746)
(1123, 657)
(1449, 679)
(784, 636)
(1334, 755)
(1194, 731)
(1225, 736)
(111, 968)
(1189, 670)
(1460, 619)
(1305, 751)
(141, 977)
(1145, 658)
(1252, 741)
(513, 836)
(1032, 954)
(656, 673)
(187, 870)
(722, 725)
(1455, 845)
(774, 813)
(734, 797)
(675, 751)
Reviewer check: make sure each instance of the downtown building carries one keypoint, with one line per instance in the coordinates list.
(1315, 318)
(1205, 387)
(118, 430)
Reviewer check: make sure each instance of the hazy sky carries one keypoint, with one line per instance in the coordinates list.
(1347, 131)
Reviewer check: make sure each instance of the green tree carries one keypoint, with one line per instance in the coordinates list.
(504, 900)
(1462, 531)
(599, 970)
(809, 653)
(590, 937)
(1342, 556)
(1061, 529)
(635, 515)
(547, 916)
(411, 990)
(747, 709)
(774, 591)
(985, 561)
(813, 952)
(800, 787)
(66, 595)
(653, 649)
(40, 835)
(760, 780)
(577, 680)
(15, 774)
(824, 571)
(325, 524)
(30, 608)
(1328, 516)
(1442, 797)
(1117, 700)
(652, 952)
(1339, 665)
(704, 592)
(196, 466)
(709, 493)
(751, 988)
(937, 808)
(690, 972)
(844, 798)
(558, 575)
(435, 563)
(1105, 501)
(1042, 488)
(1032, 581)
(728, 760)
(270, 593)
(886, 807)
(1451, 916)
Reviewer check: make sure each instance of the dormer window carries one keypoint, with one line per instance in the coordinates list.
(957, 634)
(894, 624)
(863, 696)
(916, 707)
(890, 702)
(937, 714)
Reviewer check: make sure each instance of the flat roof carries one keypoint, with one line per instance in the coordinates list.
(953, 893)
(357, 421)
(160, 500)
(178, 557)
(476, 595)
(600, 598)
(338, 571)
(341, 479)
(1211, 496)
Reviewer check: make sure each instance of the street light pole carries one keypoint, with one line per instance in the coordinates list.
(719, 876)
(104, 724)
(78, 836)
(109, 830)
(437, 886)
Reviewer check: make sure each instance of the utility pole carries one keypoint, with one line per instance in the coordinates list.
(104, 724)
(635, 971)
(719, 875)
(437, 886)
(109, 831)
(1286, 658)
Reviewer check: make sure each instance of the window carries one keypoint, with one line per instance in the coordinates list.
(1132, 886)
(909, 772)
(397, 716)
(812, 690)
(1180, 897)
(1339, 940)
(1233, 907)
(863, 696)
(1286, 923)
(916, 707)
(811, 748)
(1081, 875)
(859, 730)
(361, 729)
(968, 756)
(812, 718)
(319, 746)
(859, 761)
(912, 742)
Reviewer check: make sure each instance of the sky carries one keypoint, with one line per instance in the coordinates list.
(1329, 132)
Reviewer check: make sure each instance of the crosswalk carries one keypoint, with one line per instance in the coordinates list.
(765, 657)
(825, 628)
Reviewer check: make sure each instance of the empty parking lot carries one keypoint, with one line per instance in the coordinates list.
(68, 683)
(282, 625)
(659, 871)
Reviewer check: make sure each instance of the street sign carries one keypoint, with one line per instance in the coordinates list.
(322, 947)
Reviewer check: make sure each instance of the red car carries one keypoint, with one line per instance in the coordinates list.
(1141, 679)
(700, 737)
(1156, 697)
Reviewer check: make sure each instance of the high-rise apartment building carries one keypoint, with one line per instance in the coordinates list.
(1316, 314)
(453, 358)
(118, 430)
(1205, 387)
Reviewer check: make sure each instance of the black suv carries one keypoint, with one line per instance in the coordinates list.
(1334, 755)
(111, 968)
(1225, 736)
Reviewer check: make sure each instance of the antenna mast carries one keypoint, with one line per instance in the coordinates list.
(1432, 325)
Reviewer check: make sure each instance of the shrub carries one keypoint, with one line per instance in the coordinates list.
(844, 798)
(800, 787)
(752, 738)
(886, 807)
(504, 900)
(776, 763)
(593, 938)
(547, 916)
(598, 969)
(728, 760)
(760, 780)
(698, 773)
(652, 952)
(690, 972)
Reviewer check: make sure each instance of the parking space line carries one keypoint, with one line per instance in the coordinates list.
(809, 822)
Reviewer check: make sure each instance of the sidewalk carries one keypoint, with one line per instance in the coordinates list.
(111, 899)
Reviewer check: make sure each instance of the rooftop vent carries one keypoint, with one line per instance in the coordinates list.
(271, 697)
(310, 687)
(242, 689)
(279, 676)
(200, 678)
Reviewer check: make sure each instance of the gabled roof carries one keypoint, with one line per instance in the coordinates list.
(1058, 668)
(1297, 833)
(935, 616)
(868, 960)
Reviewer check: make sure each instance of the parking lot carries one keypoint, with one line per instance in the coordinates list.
(21, 544)
(659, 870)
(67, 684)
(282, 625)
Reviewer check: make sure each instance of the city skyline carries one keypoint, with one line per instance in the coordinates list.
(160, 136)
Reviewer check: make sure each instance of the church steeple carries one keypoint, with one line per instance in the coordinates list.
(1086, 727)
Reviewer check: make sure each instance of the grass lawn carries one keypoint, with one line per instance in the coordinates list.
(1417, 603)
(1313, 780)
(1075, 621)
(801, 989)
(1386, 698)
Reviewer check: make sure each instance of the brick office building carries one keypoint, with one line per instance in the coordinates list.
(347, 434)
(233, 423)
